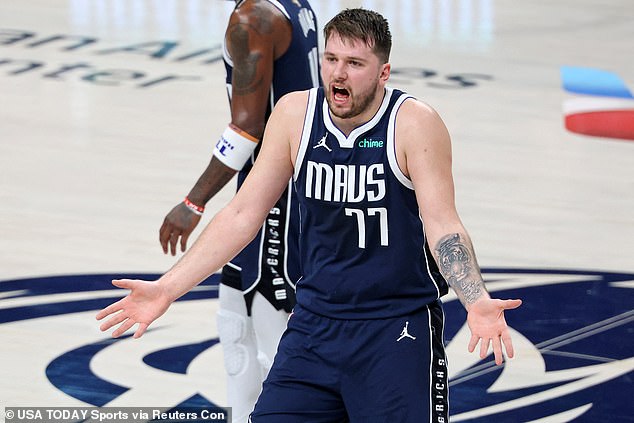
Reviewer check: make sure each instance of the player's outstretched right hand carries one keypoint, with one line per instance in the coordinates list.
(145, 303)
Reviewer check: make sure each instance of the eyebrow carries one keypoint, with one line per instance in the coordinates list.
(355, 58)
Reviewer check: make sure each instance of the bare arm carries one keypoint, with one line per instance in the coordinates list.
(227, 233)
(427, 161)
(237, 224)
(256, 35)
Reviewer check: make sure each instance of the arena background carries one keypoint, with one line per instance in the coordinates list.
(109, 110)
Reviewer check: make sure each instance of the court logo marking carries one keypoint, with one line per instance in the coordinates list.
(571, 336)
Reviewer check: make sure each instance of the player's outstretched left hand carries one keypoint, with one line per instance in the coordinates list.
(486, 320)
(144, 304)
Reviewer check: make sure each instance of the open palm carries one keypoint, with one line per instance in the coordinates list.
(144, 304)
(488, 326)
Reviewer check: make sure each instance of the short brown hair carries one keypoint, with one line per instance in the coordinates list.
(365, 25)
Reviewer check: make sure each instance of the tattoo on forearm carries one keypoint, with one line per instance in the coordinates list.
(459, 267)
(245, 78)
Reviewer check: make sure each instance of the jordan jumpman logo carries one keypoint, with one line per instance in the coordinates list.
(322, 143)
(405, 334)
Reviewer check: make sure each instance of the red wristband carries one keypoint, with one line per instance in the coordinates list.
(199, 210)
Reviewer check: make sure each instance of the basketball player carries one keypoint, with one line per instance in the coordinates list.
(381, 241)
(270, 49)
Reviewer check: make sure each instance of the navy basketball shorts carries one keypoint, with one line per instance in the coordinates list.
(359, 371)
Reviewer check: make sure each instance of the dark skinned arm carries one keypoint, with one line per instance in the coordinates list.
(257, 34)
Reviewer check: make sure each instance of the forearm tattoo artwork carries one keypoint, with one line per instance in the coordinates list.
(459, 267)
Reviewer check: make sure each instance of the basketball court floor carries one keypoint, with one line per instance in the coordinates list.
(109, 110)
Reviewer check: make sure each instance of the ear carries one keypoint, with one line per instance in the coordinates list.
(385, 72)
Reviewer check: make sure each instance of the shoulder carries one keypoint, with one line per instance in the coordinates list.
(293, 105)
(289, 113)
(417, 121)
(258, 25)
(260, 15)
(284, 126)
(419, 111)
(421, 138)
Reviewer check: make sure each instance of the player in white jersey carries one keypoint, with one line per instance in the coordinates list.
(312, 378)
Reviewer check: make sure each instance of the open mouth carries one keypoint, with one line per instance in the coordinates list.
(340, 94)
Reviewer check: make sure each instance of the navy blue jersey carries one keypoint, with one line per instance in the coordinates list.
(272, 257)
(363, 247)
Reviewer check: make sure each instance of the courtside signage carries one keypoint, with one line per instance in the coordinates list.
(602, 106)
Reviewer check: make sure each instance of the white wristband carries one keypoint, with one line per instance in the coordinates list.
(235, 147)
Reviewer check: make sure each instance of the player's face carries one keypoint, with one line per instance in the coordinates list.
(354, 78)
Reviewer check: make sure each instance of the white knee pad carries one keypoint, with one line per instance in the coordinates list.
(268, 325)
(234, 331)
(244, 377)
